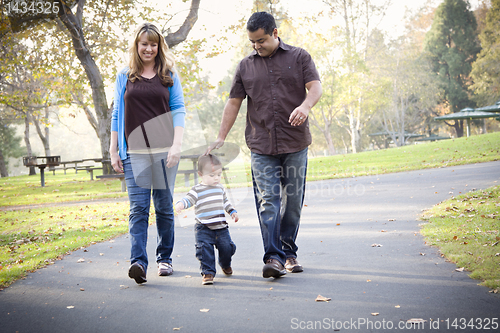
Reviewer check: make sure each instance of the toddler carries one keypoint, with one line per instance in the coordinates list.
(211, 229)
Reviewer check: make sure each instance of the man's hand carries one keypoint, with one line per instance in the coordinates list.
(214, 145)
(299, 115)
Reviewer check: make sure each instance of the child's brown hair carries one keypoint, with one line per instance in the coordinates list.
(206, 160)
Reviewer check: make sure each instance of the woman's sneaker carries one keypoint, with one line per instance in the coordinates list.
(228, 270)
(207, 279)
(293, 266)
(165, 269)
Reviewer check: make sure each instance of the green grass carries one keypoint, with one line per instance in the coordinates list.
(23, 190)
(32, 237)
(480, 148)
(467, 231)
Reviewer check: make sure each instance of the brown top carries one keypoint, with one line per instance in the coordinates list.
(275, 86)
(148, 122)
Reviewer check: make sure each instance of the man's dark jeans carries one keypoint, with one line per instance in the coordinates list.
(279, 186)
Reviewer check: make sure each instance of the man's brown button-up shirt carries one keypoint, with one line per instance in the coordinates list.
(275, 86)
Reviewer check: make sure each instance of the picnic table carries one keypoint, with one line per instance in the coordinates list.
(77, 165)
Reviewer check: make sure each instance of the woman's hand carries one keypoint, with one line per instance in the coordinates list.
(116, 163)
(174, 155)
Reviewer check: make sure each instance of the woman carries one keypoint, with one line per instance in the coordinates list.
(147, 127)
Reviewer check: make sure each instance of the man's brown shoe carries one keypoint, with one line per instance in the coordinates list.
(137, 272)
(228, 270)
(207, 279)
(293, 266)
(273, 268)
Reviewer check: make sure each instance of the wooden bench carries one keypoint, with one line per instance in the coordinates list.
(120, 176)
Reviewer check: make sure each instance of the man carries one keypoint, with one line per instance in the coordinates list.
(275, 77)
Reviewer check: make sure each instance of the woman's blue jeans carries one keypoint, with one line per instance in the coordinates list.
(206, 239)
(279, 185)
(146, 176)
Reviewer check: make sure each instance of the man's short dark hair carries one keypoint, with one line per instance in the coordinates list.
(208, 160)
(261, 20)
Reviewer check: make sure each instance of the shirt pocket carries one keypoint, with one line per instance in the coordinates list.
(291, 74)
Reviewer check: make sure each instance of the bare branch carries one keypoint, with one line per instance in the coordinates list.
(172, 39)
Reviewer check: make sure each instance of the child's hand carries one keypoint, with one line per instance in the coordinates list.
(235, 217)
(178, 207)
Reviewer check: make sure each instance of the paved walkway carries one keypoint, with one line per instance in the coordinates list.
(341, 220)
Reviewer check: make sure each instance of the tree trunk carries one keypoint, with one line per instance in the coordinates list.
(44, 137)
(3, 168)
(459, 128)
(329, 142)
(27, 141)
(353, 130)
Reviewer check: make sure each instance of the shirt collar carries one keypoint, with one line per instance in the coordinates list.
(281, 45)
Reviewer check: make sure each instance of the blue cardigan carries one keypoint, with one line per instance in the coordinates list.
(176, 103)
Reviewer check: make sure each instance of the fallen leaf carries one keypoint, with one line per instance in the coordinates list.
(187, 276)
(81, 289)
(416, 321)
(383, 230)
(422, 254)
(101, 254)
(70, 307)
(375, 313)
(461, 269)
(123, 286)
(376, 245)
(204, 310)
(391, 220)
(322, 299)
(368, 280)
(177, 328)
(80, 260)
(397, 306)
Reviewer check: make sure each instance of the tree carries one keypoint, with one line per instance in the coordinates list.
(452, 46)
(486, 69)
(352, 82)
(11, 147)
(412, 93)
(105, 19)
(25, 90)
